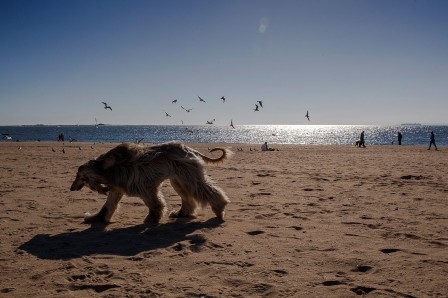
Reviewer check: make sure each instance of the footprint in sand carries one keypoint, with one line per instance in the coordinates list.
(362, 290)
(254, 233)
(362, 268)
(280, 272)
(297, 228)
(7, 290)
(79, 277)
(330, 283)
(390, 250)
(96, 287)
(409, 177)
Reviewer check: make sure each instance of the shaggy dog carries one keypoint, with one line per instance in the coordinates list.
(137, 170)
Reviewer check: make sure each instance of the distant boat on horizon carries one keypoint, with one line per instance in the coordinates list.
(412, 124)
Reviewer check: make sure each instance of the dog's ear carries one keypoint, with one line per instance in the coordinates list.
(115, 156)
(107, 162)
(94, 165)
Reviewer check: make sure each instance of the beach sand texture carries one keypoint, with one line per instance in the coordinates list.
(305, 221)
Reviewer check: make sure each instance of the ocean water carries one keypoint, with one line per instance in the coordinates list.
(250, 134)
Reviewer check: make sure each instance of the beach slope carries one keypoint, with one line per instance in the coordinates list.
(304, 221)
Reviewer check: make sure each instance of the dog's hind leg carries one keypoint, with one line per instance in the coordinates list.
(208, 193)
(188, 206)
(108, 209)
(156, 204)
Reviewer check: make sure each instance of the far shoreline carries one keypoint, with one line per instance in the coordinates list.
(254, 145)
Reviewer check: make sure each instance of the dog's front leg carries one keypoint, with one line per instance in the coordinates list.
(156, 204)
(108, 209)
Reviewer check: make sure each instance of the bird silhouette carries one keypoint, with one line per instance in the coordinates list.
(223, 99)
(174, 101)
(167, 115)
(231, 124)
(106, 106)
(260, 103)
(6, 136)
(200, 99)
(210, 121)
(307, 115)
(188, 110)
(256, 108)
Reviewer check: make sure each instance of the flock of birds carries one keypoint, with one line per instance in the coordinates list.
(201, 100)
(258, 105)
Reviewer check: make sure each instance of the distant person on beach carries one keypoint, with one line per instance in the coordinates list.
(264, 147)
(400, 137)
(432, 141)
(361, 141)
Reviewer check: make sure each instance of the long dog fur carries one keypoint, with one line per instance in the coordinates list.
(137, 170)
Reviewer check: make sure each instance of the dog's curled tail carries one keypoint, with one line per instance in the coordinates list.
(226, 153)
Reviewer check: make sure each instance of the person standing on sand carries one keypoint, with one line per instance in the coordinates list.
(361, 140)
(400, 137)
(432, 141)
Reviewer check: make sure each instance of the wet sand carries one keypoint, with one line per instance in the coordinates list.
(304, 221)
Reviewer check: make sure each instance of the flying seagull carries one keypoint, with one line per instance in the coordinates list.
(174, 101)
(106, 106)
(260, 103)
(6, 136)
(231, 124)
(211, 122)
(188, 110)
(307, 115)
(200, 99)
(256, 108)
(223, 99)
(167, 115)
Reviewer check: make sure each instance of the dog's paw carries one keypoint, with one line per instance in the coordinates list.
(181, 214)
(221, 215)
(97, 217)
(152, 221)
(103, 190)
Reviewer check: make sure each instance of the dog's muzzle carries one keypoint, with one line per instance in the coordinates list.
(76, 186)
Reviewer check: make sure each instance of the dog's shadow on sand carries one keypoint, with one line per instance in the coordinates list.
(128, 241)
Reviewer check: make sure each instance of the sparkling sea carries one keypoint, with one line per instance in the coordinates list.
(248, 134)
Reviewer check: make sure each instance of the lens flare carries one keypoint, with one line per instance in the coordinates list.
(264, 23)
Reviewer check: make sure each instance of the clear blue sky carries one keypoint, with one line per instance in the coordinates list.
(347, 62)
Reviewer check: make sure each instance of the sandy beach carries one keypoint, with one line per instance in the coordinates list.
(304, 221)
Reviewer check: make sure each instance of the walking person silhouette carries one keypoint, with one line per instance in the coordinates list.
(432, 141)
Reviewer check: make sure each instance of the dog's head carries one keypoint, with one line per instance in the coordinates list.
(89, 175)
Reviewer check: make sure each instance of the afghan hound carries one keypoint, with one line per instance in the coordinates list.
(138, 171)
